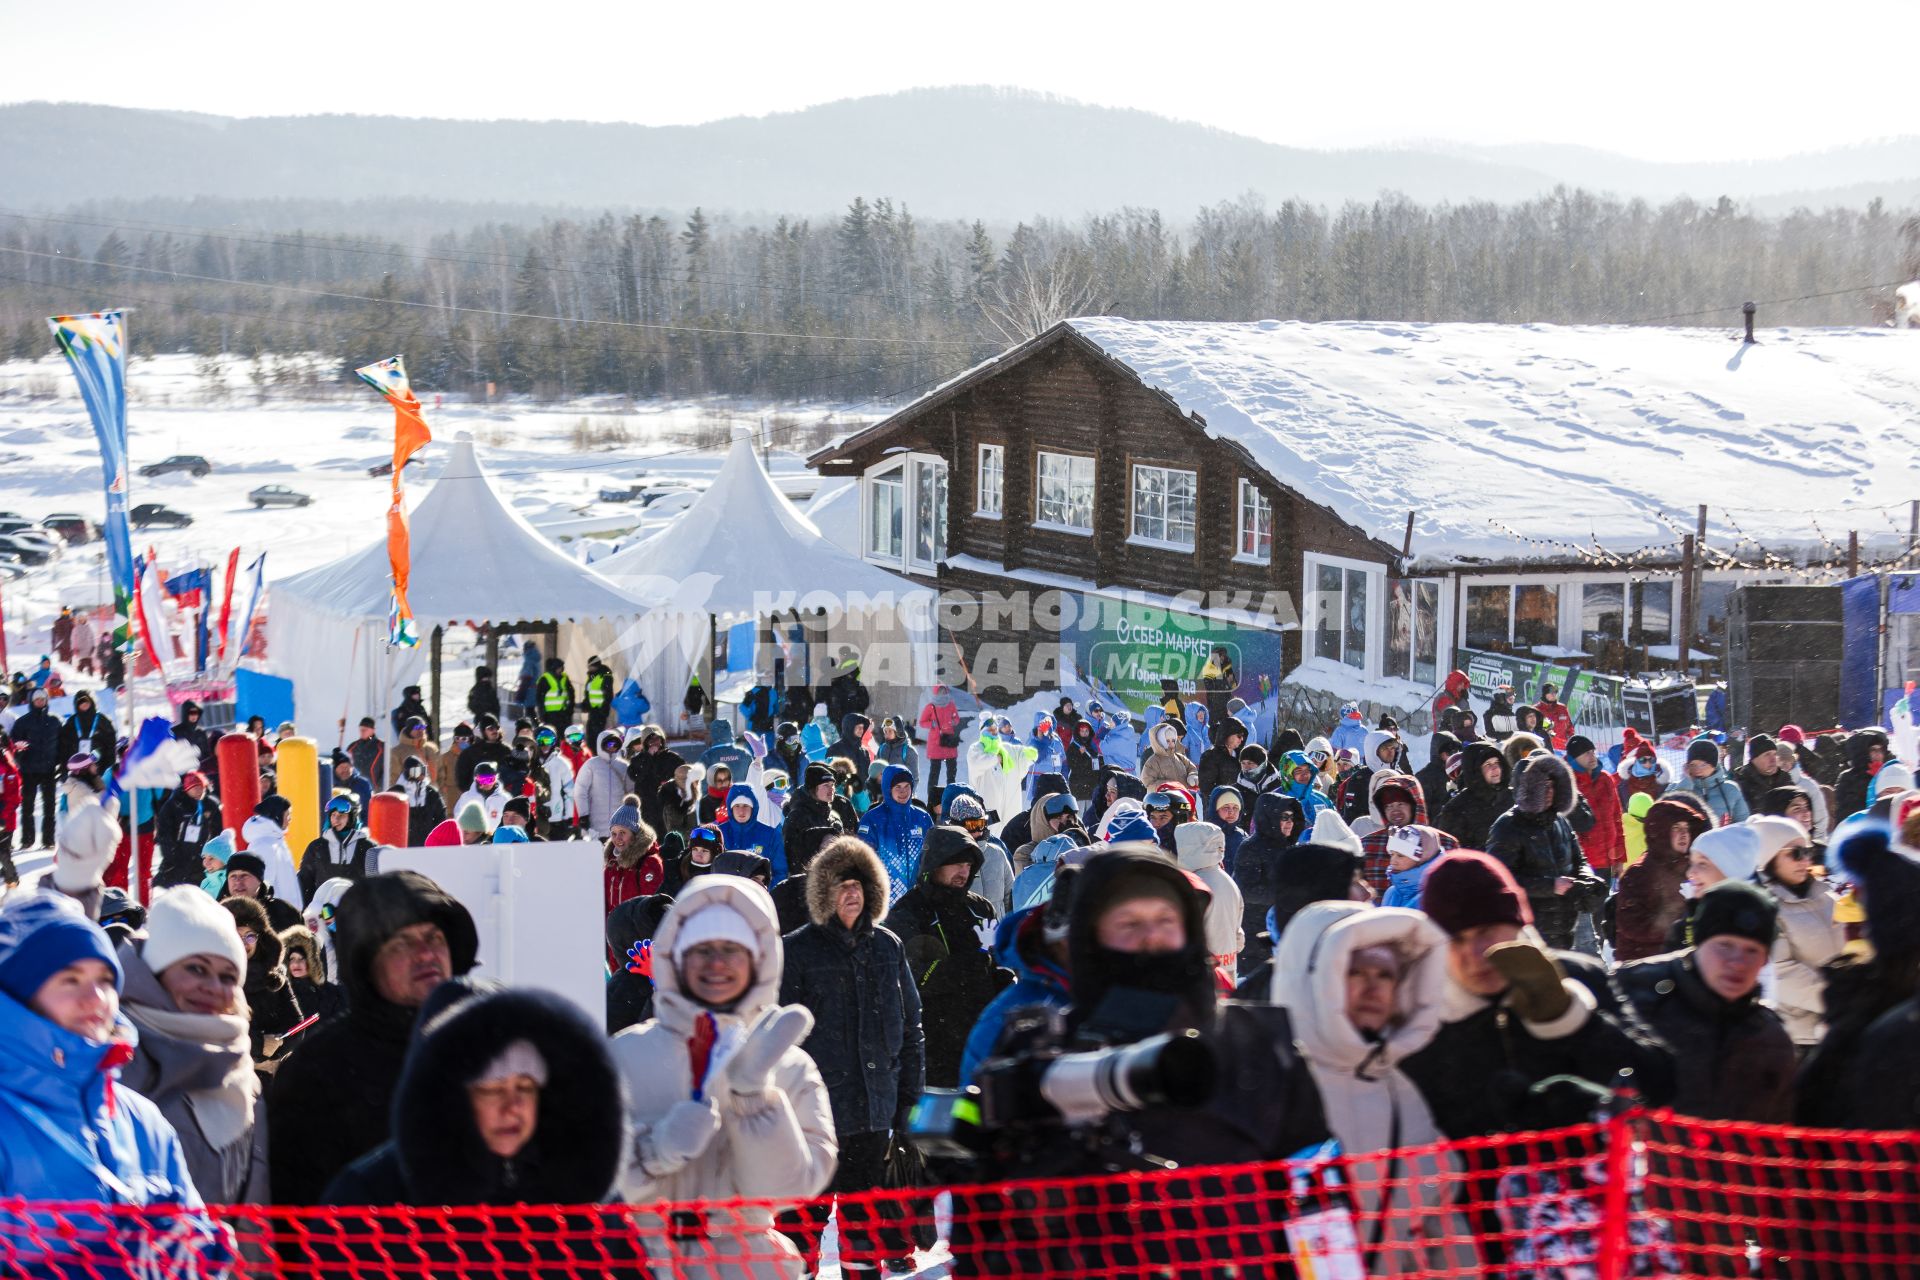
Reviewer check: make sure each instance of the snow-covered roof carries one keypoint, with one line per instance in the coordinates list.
(740, 544)
(1574, 433)
(473, 558)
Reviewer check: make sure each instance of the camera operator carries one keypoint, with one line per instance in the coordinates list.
(1139, 965)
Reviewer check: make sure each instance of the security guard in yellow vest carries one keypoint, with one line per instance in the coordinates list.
(598, 704)
(554, 692)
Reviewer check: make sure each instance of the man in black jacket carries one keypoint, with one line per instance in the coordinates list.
(852, 974)
(814, 804)
(947, 931)
(488, 748)
(649, 769)
(87, 730)
(1538, 844)
(36, 750)
(1516, 1013)
(399, 936)
(187, 821)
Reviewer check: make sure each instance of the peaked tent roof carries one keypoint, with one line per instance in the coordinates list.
(1529, 441)
(474, 559)
(741, 543)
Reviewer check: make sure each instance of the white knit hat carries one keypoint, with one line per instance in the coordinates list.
(185, 921)
(1735, 850)
(519, 1058)
(715, 922)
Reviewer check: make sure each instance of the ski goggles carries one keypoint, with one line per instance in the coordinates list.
(1318, 759)
(1161, 802)
(340, 804)
(546, 737)
(1059, 806)
(576, 733)
(326, 915)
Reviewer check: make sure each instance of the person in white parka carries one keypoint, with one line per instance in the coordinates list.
(725, 1104)
(1364, 985)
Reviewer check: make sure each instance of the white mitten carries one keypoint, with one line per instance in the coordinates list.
(749, 1071)
(677, 1137)
(89, 837)
(985, 933)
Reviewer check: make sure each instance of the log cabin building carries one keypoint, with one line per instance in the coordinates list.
(1412, 491)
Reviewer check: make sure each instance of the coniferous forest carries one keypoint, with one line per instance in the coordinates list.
(878, 304)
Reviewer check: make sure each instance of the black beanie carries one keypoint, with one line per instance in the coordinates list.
(815, 774)
(1760, 742)
(1578, 745)
(1739, 908)
(1705, 750)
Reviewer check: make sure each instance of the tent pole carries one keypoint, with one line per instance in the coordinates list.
(437, 633)
(713, 642)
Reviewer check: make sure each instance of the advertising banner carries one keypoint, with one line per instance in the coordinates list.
(1126, 649)
(1593, 700)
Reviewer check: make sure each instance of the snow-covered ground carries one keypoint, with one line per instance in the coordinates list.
(323, 447)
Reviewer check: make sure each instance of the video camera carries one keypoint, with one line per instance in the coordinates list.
(1083, 1082)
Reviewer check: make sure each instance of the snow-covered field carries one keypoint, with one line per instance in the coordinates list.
(323, 447)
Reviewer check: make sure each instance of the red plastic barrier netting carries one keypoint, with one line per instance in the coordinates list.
(1644, 1195)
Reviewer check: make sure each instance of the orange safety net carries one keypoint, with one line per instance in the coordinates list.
(1642, 1194)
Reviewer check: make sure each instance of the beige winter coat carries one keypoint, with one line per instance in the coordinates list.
(778, 1147)
(1203, 849)
(1371, 1105)
(1808, 939)
(1167, 762)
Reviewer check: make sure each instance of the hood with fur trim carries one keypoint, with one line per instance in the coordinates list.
(1165, 739)
(265, 970)
(1384, 780)
(580, 1137)
(1544, 784)
(848, 858)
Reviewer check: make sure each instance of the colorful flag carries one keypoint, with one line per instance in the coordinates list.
(146, 606)
(410, 434)
(244, 636)
(96, 349)
(226, 601)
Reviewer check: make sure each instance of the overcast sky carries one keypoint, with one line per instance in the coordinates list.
(1675, 80)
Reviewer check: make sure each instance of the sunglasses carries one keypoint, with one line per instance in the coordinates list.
(1801, 854)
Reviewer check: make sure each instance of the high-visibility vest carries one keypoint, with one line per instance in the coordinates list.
(553, 699)
(599, 689)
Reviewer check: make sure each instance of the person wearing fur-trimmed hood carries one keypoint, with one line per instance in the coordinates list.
(724, 1103)
(1537, 843)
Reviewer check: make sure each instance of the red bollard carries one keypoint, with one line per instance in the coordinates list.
(239, 757)
(387, 819)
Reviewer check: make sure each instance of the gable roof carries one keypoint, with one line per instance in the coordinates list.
(1507, 439)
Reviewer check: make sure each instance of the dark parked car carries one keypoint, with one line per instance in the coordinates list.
(26, 550)
(386, 468)
(148, 514)
(277, 495)
(192, 463)
(77, 530)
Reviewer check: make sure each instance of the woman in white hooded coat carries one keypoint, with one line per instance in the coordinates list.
(1320, 975)
(725, 1104)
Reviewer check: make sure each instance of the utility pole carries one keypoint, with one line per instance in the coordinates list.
(1682, 648)
(1853, 553)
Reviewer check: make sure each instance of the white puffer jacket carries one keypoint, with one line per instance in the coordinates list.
(1809, 937)
(1203, 849)
(779, 1146)
(1371, 1105)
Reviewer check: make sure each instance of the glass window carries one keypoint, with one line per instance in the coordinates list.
(1256, 524)
(1603, 616)
(886, 501)
(1355, 652)
(1065, 494)
(1711, 625)
(1426, 633)
(1163, 505)
(1326, 611)
(1487, 620)
(1399, 627)
(1653, 613)
(929, 512)
(1536, 614)
(990, 480)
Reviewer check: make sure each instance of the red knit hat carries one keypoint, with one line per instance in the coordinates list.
(1631, 744)
(1467, 889)
(1792, 734)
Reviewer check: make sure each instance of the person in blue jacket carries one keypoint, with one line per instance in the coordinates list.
(1199, 730)
(744, 831)
(1234, 828)
(724, 750)
(67, 1131)
(1032, 943)
(1299, 773)
(1114, 731)
(896, 827)
(1352, 729)
(1052, 757)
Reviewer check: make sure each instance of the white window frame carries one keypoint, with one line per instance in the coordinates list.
(1376, 575)
(918, 464)
(1039, 489)
(1442, 632)
(1139, 539)
(997, 454)
(1260, 502)
(877, 473)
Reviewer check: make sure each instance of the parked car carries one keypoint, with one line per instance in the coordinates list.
(277, 495)
(14, 524)
(625, 493)
(148, 514)
(386, 468)
(76, 529)
(12, 568)
(27, 550)
(192, 463)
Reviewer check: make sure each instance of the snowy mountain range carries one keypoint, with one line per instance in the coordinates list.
(949, 152)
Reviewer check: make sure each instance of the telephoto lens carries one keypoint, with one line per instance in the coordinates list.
(1175, 1069)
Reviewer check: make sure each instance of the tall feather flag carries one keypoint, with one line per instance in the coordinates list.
(95, 346)
(244, 636)
(410, 434)
(226, 601)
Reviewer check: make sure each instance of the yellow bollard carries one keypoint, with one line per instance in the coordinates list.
(297, 775)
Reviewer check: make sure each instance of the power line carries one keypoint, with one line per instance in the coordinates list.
(486, 311)
(1764, 302)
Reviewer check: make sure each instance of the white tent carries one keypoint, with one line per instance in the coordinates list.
(474, 561)
(744, 553)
